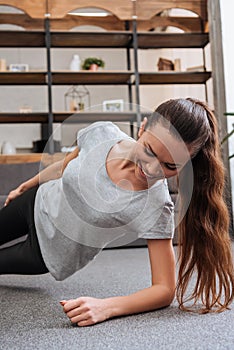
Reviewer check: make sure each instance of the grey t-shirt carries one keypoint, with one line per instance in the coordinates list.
(77, 215)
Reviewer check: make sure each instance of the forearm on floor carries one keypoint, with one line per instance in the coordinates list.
(152, 298)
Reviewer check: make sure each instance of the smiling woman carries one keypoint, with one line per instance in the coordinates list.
(113, 187)
(148, 160)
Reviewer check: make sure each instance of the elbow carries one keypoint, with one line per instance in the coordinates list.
(59, 167)
(168, 296)
(171, 292)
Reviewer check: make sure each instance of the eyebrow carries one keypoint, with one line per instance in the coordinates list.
(171, 164)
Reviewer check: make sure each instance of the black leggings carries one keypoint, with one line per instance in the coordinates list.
(17, 220)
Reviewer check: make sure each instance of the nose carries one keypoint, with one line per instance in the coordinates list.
(154, 168)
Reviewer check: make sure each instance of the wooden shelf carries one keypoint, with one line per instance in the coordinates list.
(23, 118)
(91, 78)
(66, 78)
(22, 38)
(35, 39)
(103, 78)
(172, 40)
(113, 39)
(23, 78)
(60, 117)
(89, 117)
(167, 77)
(91, 39)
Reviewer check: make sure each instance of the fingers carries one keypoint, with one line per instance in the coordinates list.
(10, 197)
(7, 201)
(84, 316)
(77, 312)
(84, 323)
(71, 304)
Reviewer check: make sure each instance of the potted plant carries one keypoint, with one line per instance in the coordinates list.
(92, 63)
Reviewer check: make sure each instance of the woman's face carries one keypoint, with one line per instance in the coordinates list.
(158, 155)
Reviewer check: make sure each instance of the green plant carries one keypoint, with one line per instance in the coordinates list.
(92, 60)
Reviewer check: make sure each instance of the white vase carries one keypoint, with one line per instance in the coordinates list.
(8, 148)
(75, 63)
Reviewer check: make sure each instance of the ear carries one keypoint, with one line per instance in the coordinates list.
(142, 127)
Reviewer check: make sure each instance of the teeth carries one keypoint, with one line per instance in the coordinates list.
(146, 174)
(142, 170)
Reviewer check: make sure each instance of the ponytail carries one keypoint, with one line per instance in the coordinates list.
(204, 242)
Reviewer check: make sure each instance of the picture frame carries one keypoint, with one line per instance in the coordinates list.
(18, 67)
(113, 106)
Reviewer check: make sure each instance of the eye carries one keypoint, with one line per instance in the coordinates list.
(170, 167)
(149, 152)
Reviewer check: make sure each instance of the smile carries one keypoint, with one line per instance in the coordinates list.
(143, 172)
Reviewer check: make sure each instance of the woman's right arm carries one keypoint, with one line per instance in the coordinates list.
(52, 172)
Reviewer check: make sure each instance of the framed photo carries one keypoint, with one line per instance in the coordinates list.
(18, 67)
(113, 106)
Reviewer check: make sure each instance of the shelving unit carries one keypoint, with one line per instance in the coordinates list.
(131, 78)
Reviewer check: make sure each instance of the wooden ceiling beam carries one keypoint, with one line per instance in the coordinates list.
(22, 20)
(34, 8)
(145, 9)
(66, 23)
(121, 8)
(188, 24)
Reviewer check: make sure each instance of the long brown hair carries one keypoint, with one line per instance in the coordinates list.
(204, 241)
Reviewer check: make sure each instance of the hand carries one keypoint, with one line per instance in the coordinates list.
(14, 194)
(86, 311)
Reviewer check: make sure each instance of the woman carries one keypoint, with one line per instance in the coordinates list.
(113, 187)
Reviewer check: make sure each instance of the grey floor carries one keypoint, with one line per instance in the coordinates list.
(31, 317)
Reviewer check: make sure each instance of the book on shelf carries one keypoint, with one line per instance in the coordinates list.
(196, 69)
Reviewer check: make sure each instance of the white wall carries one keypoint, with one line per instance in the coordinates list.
(227, 10)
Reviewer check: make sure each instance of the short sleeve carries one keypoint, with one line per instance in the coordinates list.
(94, 133)
(164, 227)
(83, 134)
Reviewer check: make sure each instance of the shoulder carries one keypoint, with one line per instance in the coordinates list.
(99, 131)
(97, 127)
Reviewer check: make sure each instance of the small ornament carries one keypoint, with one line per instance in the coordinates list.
(75, 98)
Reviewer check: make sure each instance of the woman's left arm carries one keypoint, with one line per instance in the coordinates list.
(86, 311)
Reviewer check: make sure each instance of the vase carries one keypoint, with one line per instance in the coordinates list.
(75, 63)
(8, 148)
(93, 67)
